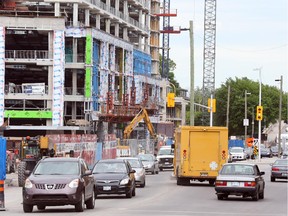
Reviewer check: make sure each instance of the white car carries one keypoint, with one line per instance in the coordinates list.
(236, 154)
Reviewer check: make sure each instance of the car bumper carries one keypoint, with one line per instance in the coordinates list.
(119, 189)
(58, 198)
(282, 175)
(149, 169)
(235, 191)
(140, 179)
(166, 166)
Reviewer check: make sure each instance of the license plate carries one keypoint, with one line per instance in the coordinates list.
(166, 162)
(106, 188)
(235, 184)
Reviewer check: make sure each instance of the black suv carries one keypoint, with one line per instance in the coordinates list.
(59, 181)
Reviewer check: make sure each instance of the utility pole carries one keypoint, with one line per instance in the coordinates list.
(259, 121)
(280, 117)
(191, 74)
(246, 121)
(228, 107)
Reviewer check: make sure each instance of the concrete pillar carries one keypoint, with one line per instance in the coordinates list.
(140, 42)
(116, 5)
(57, 9)
(75, 50)
(74, 82)
(146, 45)
(98, 18)
(108, 3)
(107, 25)
(125, 8)
(116, 29)
(125, 34)
(140, 17)
(87, 17)
(75, 14)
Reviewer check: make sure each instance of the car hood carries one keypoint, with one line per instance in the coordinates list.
(60, 179)
(165, 156)
(110, 176)
(146, 163)
(235, 178)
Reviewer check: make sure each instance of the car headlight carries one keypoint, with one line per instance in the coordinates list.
(124, 181)
(28, 183)
(74, 183)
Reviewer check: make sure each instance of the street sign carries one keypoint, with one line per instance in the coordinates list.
(245, 122)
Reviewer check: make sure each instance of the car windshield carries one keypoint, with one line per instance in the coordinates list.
(165, 151)
(146, 157)
(281, 162)
(236, 150)
(57, 168)
(134, 163)
(110, 168)
(237, 169)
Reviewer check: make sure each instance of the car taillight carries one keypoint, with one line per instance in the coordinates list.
(275, 169)
(250, 184)
(221, 183)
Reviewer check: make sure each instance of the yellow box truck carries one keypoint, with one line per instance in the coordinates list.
(199, 153)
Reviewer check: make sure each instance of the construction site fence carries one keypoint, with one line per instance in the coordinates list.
(133, 147)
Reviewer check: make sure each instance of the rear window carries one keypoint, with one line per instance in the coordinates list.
(237, 169)
(57, 168)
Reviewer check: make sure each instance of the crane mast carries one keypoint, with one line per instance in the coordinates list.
(209, 55)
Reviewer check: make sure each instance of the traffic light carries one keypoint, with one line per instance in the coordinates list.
(171, 99)
(213, 105)
(259, 113)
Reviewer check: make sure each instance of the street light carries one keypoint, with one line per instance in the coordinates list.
(280, 117)
(246, 121)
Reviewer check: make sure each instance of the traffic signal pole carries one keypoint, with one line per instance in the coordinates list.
(259, 121)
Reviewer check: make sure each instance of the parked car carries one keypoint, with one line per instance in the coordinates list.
(236, 154)
(285, 154)
(59, 181)
(279, 169)
(150, 163)
(274, 150)
(240, 179)
(138, 166)
(165, 157)
(114, 176)
(266, 152)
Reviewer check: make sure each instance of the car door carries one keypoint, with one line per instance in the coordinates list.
(88, 180)
(131, 174)
(259, 179)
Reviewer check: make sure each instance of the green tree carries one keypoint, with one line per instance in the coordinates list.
(270, 103)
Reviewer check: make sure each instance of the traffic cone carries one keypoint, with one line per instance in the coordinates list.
(2, 201)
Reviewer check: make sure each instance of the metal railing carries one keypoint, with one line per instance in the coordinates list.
(28, 54)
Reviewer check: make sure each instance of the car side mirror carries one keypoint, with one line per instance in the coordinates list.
(262, 173)
(133, 171)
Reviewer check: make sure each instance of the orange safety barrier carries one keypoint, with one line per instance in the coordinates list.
(2, 203)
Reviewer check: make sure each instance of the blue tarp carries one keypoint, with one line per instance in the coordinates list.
(2, 158)
(236, 143)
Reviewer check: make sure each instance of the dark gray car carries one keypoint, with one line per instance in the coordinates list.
(240, 179)
(59, 181)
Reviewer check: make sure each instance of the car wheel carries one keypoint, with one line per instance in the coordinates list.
(220, 196)
(143, 185)
(255, 197)
(79, 207)
(91, 201)
(261, 195)
(161, 169)
(27, 208)
(41, 207)
(272, 179)
(153, 172)
(157, 171)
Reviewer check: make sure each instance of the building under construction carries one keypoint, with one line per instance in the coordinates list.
(79, 66)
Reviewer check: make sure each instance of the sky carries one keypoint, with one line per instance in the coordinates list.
(250, 34)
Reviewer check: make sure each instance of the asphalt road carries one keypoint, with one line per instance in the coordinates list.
(162, 197)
